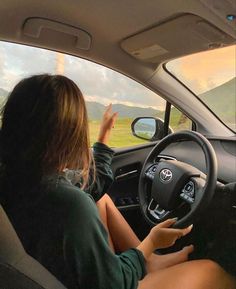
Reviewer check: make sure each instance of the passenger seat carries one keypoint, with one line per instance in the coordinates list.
(17, 269)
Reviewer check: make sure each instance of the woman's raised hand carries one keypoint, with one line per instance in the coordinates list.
(107, 124)
(162, 236)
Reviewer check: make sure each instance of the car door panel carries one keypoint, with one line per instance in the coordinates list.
(126, 166)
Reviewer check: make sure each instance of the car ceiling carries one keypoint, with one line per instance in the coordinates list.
(109, 23)
(114, 31)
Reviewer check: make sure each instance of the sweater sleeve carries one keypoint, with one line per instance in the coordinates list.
(103, 173)
(88, 255)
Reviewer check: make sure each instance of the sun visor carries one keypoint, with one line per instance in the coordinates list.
(180, 36)
(40, 28)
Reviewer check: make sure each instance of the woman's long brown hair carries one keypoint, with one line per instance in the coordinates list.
(45, 129)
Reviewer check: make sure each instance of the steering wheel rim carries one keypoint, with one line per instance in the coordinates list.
(204, 185)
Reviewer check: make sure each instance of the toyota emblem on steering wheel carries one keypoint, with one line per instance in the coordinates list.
(166, 175)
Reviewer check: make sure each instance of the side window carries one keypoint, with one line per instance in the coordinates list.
(99, 85)
(179, 121)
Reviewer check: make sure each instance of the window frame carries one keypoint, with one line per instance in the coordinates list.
(168, 105)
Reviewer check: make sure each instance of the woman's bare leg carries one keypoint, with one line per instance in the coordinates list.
(200, 274)
(120, 233)
(122, 237)
(103, 212)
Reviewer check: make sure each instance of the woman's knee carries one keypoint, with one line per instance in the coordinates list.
(209, 266)
(213, 274)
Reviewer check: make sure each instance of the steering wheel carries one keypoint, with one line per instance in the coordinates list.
(171, 188)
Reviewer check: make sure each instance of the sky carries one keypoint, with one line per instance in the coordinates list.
(200, 72)
(206, 70)
(97, 83)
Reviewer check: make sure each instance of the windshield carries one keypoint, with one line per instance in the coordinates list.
(211, 75)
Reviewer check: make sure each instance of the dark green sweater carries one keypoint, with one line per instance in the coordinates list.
(61, 228)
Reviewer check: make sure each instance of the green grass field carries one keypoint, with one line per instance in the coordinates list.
(122, 136)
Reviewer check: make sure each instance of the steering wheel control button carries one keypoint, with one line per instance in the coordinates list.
(188, 192)
(154, 168)
(190, 200)
(151, 172)
(188, 187)
(184, 196)
(150, 176)
(166, 175)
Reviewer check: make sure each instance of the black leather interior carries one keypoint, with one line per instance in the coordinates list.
(17, 269)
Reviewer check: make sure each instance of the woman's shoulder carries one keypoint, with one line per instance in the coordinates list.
(61, 192)
(72, 206)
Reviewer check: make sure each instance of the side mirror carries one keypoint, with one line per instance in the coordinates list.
(148, 128)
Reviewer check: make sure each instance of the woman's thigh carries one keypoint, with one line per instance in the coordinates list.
(199, 274)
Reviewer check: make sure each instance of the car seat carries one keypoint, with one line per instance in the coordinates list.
(17, 269)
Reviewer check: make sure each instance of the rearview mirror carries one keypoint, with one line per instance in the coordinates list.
(148, 128)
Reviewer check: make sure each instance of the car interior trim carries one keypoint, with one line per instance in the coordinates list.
(35, 27)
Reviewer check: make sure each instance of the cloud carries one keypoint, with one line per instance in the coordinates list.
(20, 61)
(105, 85)
(97, 83)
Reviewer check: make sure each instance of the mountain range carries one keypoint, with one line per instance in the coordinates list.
(95, 110)
(220, 99)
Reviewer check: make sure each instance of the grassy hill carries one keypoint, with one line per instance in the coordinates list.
(222, 100)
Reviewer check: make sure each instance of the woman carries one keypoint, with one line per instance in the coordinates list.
(50, 183)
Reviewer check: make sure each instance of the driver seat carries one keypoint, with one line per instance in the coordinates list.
(17, 268)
